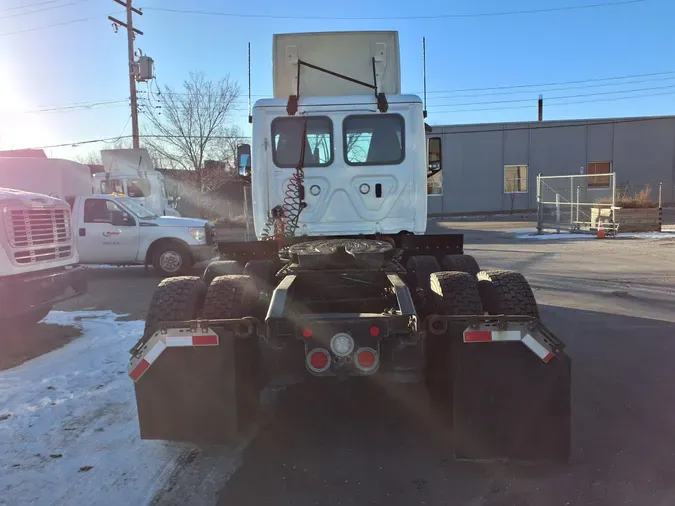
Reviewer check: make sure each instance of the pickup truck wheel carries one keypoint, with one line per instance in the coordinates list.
(175, 299)
(171, 259)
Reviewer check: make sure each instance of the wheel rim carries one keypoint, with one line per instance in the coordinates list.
(170, 261)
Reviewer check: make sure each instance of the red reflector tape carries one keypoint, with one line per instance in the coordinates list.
(208, 340)
(542, 350)
(173, 339)
(477, 336)
(138, 371)
(539, 349)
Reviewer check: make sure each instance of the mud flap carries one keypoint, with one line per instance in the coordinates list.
(201, 394)
(508, 404)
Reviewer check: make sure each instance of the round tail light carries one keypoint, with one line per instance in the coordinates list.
(318, 360)
(342, 344)
(366, 359)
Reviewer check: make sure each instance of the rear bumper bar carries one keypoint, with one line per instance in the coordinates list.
(27, 292)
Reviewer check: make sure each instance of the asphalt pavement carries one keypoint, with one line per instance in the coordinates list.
(611, 301)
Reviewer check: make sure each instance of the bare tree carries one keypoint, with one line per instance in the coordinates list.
(89, 158)
(224, 148)
(181, 131)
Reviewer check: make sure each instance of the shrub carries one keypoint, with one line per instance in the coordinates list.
(622, 199)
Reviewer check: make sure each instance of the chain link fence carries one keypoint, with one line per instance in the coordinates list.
(575, 203)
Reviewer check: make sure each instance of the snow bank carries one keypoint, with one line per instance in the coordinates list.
(68, 427)
(547, 237)
(639, 235)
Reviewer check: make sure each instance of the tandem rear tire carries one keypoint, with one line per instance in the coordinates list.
(454, 293)
(507, 292)
(460, 263)
(175, 299)
(221, 268)
(229, 297)
(420, 268)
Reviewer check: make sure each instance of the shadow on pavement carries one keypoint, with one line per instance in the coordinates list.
(20, 344)
(363, 443)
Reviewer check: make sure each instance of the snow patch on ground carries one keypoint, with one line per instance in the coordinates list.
(68, 423)
(552, 237)
(106, 266)
(547, 237)
(647, 235)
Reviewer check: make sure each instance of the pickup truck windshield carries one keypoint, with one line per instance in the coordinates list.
(140, 211)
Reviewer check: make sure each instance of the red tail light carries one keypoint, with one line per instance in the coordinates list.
(374, 331)
(307, 333)
(318, 360)
(366, 359)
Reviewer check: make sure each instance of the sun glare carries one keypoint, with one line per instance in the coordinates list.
(18, 127)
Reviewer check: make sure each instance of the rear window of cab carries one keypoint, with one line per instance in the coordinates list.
(318, 141)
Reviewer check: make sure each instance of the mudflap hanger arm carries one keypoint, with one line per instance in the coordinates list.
(292, 106)
(499, 328)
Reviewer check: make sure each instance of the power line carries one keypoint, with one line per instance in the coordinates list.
(75, 107)
(44, 9)
(44, 27)
(670, 72)
(438, 16)
(553, 105)
(531, 124)
(536, 125)
(29, 5)
(564, 88)
(561, 96)
(148, 136)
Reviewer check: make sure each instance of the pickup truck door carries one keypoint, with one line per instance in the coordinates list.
(106, 232)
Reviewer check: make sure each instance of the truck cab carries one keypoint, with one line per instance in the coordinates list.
(148, 189)
(37, 256)
(364, 171)
(338, 151)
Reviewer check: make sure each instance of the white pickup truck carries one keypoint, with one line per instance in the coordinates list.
(119, 231)
(37, 256)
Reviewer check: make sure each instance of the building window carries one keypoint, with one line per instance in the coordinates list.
(374, 139)
(318, 143)
(599, 168)
(434, 173)
(515, 179)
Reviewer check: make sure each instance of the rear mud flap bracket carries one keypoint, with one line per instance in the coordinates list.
(511, 388)
(201, 388)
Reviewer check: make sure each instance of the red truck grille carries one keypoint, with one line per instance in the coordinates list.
(38, 235)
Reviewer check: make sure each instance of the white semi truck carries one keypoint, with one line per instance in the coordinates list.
(343, 281)
(109, 229)
(38, 259)
(131, 172)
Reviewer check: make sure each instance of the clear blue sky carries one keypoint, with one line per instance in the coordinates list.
(86, 62)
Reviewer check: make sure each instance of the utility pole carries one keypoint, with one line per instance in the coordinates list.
(540, 108)
(131, 31)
